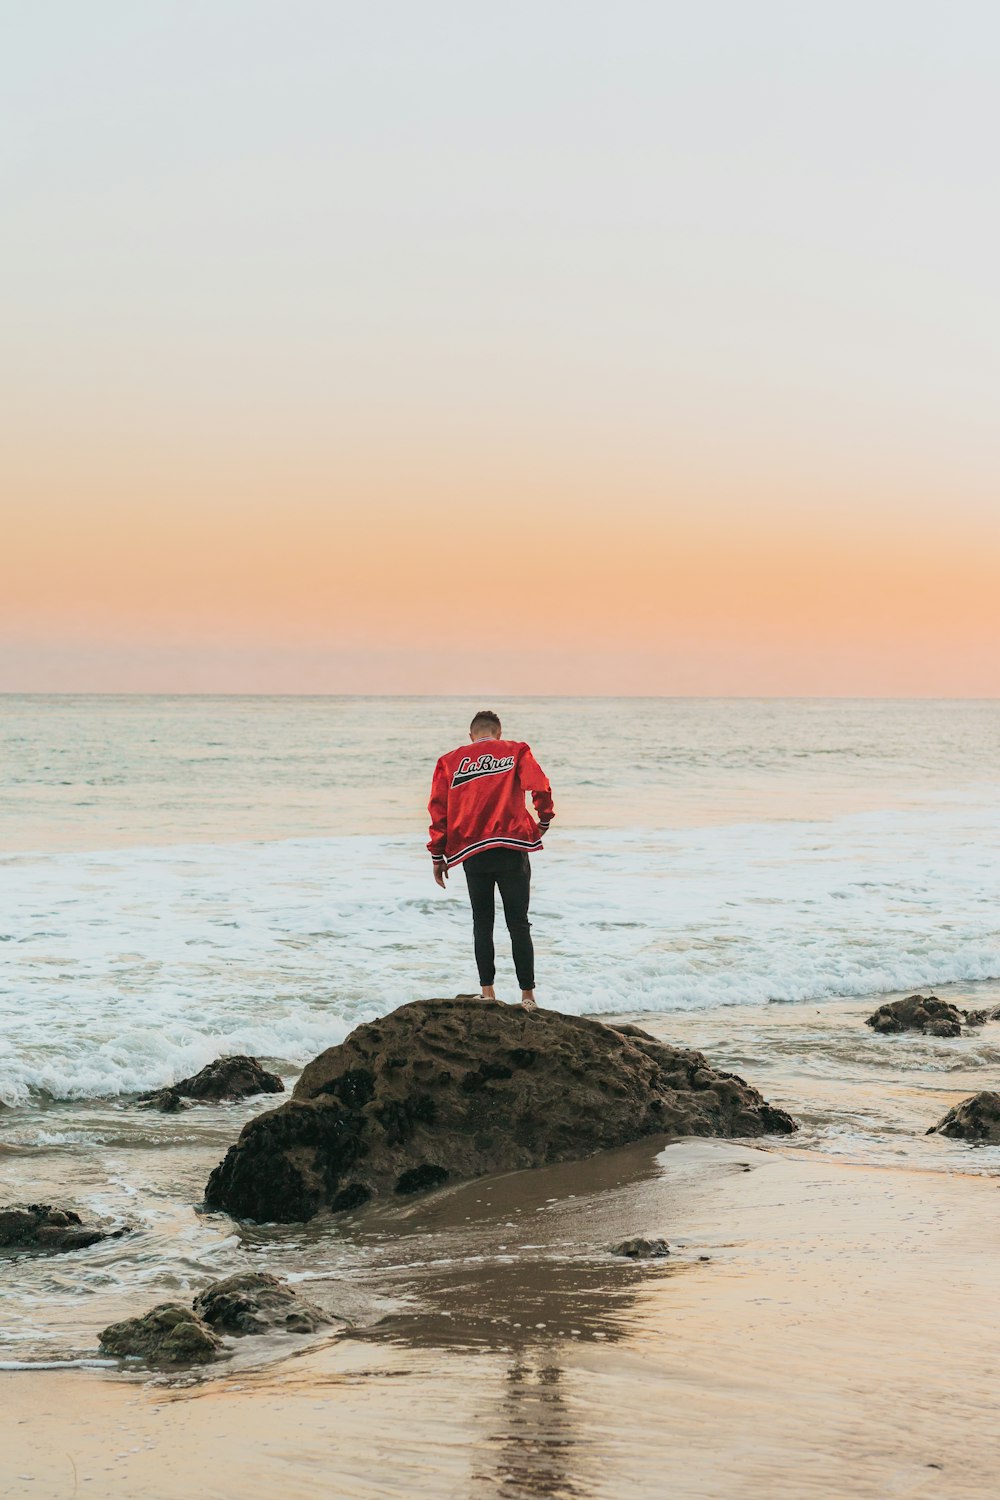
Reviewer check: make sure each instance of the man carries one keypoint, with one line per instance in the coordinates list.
(479, 819)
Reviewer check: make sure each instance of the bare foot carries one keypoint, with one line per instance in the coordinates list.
(489, 993)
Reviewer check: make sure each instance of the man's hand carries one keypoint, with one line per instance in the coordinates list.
(440, 872)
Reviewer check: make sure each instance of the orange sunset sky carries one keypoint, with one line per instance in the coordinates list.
(538, 348)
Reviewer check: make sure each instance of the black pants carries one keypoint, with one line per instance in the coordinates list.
(509, 871)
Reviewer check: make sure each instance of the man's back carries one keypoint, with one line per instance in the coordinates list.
(478, 800)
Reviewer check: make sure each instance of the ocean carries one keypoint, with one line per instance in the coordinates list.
(184, 876)
(188, 876)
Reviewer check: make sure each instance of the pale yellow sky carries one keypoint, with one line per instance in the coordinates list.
(451, 349)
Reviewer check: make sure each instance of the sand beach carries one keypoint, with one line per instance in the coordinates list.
(839, 1339)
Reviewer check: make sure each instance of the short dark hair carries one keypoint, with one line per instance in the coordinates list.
(485, 719)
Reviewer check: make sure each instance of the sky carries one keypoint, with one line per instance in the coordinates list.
(535, 348)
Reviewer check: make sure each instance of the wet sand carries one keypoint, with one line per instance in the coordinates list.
(840, 1339)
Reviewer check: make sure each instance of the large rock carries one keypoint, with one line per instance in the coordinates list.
(226, 1079)
(169, 1334)
(256, 1302)
(448, 1089)
(975, 1119)
(42, 1227)
(921, 1013)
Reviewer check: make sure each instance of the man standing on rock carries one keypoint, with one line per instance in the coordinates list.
(479, 819)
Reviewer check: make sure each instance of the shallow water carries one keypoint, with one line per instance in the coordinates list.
(859, 1098)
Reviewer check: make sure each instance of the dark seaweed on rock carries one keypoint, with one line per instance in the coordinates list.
(976, 1119)
(442, 1090)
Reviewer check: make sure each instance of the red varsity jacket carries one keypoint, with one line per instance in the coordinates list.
(477, 801)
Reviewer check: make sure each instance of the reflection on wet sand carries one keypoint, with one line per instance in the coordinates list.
(519, 1261)
(536, 1438)
(520, 1306)
(525, 1305)
(522, 1317)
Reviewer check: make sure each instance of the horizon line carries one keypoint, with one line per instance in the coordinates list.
(546, 697)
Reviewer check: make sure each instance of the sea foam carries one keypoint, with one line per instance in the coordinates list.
(127, 970)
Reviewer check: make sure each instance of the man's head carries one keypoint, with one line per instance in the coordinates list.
(485, 726)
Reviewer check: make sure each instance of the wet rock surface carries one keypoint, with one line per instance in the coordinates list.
(224, 1080)
(443, 1090)
(976, 1119)
(257, 1302)
(167, 1101)
(641, 1249)
(924, 1013)
(248, 1303)
(980, 1017)
(169, 1334)
(39, 1226)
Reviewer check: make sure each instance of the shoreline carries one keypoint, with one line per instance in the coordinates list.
(804, 1358)
(859, 1098)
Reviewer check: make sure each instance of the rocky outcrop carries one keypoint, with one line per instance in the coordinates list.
(249, 1302)
(39, 1226)
(169, 1334)
(256, 1302)
(641, 1249)
(442, 1090)
(975, 1119)
(980, 1017)
(924, 1013)
(224, 1080)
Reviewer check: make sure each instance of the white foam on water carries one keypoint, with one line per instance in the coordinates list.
(58, 1364)
(127, 970)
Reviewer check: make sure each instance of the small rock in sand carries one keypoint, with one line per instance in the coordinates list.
(249, 1302)
(169, 1334)
(256, 1302)
(640, 1249)
(976, 1119)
